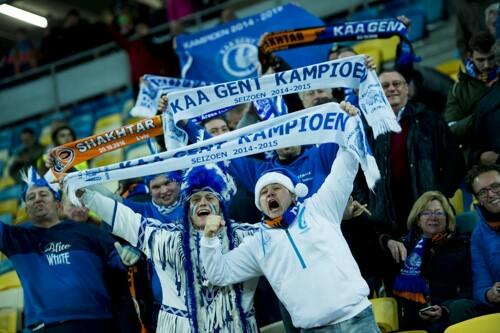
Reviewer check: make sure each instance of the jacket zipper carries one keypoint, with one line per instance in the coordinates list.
(302, 263)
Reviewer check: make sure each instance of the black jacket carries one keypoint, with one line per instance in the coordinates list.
(486, 137)
(436, 163)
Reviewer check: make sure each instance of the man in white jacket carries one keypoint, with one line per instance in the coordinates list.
(301, 251)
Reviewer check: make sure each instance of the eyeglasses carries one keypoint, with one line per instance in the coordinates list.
(428, 214)
(484, 192)
(395, 84)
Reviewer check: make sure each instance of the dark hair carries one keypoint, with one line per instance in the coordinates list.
(58, 129)
(386, 71)
(28, 130)
(481, 42)
(205, 121)
(477, 170)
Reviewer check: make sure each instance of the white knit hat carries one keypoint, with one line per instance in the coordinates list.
(283, 177)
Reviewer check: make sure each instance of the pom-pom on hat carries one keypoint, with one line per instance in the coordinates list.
(32, 178)
(210, 177)
(283, 177)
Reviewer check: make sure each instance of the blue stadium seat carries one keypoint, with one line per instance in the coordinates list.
(83, 124)
(417, 16)
(6, 218)
(466, 222)
(11, 192)
(434, 9)
(365, 14)
(6, 138)
(108, 109)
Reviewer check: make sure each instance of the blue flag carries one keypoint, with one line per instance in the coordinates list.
(228, 51)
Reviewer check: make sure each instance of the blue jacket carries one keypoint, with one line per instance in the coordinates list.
(61, 270)
(485, 250)
(311, 166)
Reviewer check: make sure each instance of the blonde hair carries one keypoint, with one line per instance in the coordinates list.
(420, 205)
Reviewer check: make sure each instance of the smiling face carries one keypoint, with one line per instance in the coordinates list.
(164, 191)
(41, 205)
(395, 89)
(432, 220)
(274, 200)
(202, 204)
(486, 186)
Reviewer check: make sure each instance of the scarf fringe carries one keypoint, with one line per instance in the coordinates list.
(384, 125)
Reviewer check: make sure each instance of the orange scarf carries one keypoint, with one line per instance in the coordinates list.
(72, 153)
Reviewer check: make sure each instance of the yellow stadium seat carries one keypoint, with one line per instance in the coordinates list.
(450, 67)
(114, 156)
(374, 51)
(9, 206)
(108, 123)
(457, 201)
(276, 327)
(6, 182)
(9, 320)
(9, 280)
(138, 151)
(385, 310)
(46, 135)
(12, 297)
(387, 46)
(484, 324)
(21, 216)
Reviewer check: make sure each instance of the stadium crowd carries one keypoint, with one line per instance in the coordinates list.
(296, 235)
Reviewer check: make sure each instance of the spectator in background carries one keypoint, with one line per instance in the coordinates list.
(484, 182)
(481, 73)
(227, 15)
(76, 36)
(485, 145)
(61, 135)
(177, 9)
(470, 21)
(437, 269)
(27, 155)
(422, 157)
(140, 49)
(491, 14)
(23, 55)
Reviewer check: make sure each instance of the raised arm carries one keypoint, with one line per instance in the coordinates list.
(332, 197)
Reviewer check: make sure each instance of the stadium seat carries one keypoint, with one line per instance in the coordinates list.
(9, 280)
(434, 9)
(6, 138)
(451, 68)
(466, 222)
(365, 14)
(385, 310)
(82, 124)
(6, 218)
(484, 324)
(373, 51)
(12, 297)
(112, 157)
(6, 182)
(11, 192)
(276, 327)
(387, 47)
(9, 320)
(108, 123)
(138, 150)
(413, 331)
(9, 206)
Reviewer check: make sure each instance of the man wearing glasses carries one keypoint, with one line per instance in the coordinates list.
(422, 157)
(484, 182)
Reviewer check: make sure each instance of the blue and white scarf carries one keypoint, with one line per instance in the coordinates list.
(316, 125)
(348, 72)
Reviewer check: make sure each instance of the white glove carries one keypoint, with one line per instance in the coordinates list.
(129, 254)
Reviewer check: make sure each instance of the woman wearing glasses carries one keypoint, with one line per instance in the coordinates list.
(433, 287)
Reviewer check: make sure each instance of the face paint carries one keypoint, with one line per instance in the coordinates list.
(213, 208)
(193, 209)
